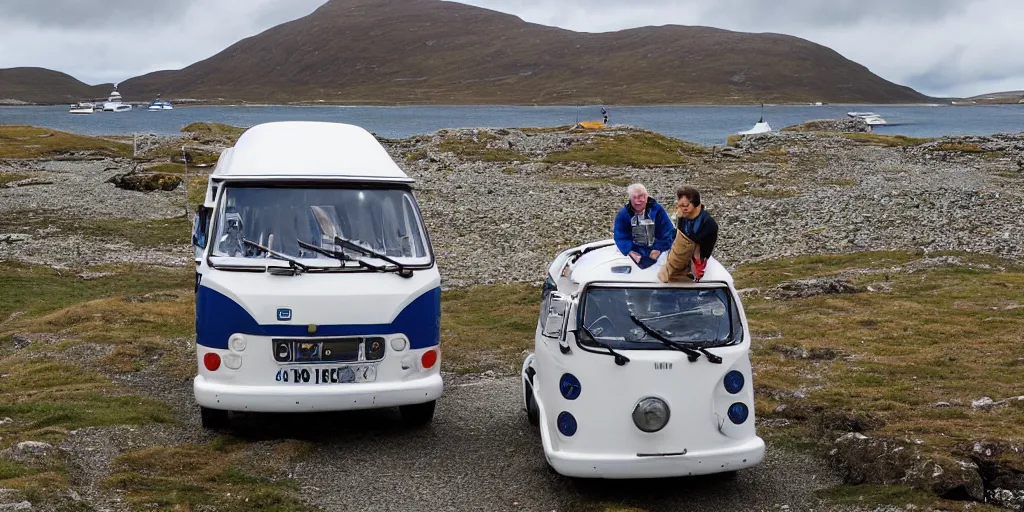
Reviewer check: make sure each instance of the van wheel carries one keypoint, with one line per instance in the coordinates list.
(532, 411)
(213, 419)
(419, 414)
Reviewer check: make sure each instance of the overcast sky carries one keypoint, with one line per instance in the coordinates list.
(939, 47)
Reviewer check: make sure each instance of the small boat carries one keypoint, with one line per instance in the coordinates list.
(114, 104)
(159, 104)
(759, 127)
(82, 107)
(871, 118)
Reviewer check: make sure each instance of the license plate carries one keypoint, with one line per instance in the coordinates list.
(328, 374)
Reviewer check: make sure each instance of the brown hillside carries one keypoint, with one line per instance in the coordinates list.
(39, 85)
(430, 51)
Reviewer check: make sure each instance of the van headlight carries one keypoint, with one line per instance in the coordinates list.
(651, 414)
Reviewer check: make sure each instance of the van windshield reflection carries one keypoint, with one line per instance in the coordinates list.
(284, 219)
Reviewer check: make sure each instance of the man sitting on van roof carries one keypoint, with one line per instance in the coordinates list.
(643, 229)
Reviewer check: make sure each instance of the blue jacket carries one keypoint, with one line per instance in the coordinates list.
(664, 231)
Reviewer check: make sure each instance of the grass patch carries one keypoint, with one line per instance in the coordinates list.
(47, 399)
(419, 154)
(963, 147)
(615, 182)
(487, 327)
(883, 140)
(218, 130)
(32, 142)
(894, 495)
(479, 148)
(733, 140)
(546, 129)
(35, 290)
(168, 168)
(140, 233)
(11, 177)
(634, 148)
(902, 350)
(185, 477)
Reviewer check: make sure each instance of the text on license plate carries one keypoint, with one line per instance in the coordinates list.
(328, 375)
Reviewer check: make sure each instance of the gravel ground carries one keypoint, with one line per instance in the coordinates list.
(500, 222)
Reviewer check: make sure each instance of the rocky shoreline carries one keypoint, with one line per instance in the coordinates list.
(774, 195)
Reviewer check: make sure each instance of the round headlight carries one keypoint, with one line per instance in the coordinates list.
(738, 412)
(399, 343)
(566, 424)
(570, 386)
(733, 382)
(651, 414)
(236, 342)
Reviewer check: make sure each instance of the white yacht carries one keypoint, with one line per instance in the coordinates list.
(114, 104)
(159, 104)
(871, 118)
(82, 107)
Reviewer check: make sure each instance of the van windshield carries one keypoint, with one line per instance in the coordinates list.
(699, 317)
(385, 220)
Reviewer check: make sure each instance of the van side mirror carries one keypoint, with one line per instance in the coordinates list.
(556, 307)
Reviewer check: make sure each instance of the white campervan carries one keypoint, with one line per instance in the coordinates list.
(316, 287)
(634, 378)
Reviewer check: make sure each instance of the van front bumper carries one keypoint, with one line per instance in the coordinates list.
(596, 465)
(337, 397)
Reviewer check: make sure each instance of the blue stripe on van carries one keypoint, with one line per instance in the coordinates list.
(218, 317)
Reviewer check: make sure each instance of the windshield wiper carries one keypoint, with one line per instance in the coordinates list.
(340, 255)
(691, 354)
(296, 267)
(620, 359)
(402, 270)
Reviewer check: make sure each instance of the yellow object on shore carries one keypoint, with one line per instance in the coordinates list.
(592, 125)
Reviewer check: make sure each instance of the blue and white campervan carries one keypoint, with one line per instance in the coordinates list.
(316, 286)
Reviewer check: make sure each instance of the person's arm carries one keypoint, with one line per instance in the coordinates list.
(623, 234)
(706, 237)
(665, 232)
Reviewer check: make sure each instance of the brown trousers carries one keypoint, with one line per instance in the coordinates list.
(677, 263)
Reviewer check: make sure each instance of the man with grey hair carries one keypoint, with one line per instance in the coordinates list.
(643, 229)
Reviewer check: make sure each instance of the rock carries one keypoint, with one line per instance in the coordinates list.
(33, 448)
(23, 505)
(5, 421)
(20, 341)
(146, 182)
(982, 403)
(880, 461)
(802, 288)
(846, 125)
(942, 404)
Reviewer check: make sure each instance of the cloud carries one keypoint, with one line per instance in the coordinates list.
(95, 44)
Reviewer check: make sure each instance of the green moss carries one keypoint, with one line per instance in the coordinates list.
(634, 148)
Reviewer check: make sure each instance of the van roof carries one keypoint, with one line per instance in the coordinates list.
(308, 150)
(604, 263)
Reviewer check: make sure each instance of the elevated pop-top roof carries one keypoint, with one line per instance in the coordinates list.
(608, 264)
(308, 150)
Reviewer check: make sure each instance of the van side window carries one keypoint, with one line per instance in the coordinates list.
(201, 227)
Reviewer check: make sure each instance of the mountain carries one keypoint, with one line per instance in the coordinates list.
(440, 52)
(995, 98)
(39, 85)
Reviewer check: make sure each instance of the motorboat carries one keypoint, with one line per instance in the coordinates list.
(759, 127)
(159, 104)
(114, 103)
(82, 108)
(871, 118)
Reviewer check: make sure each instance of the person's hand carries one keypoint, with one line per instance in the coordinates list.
(635, 255)
(655, 253)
